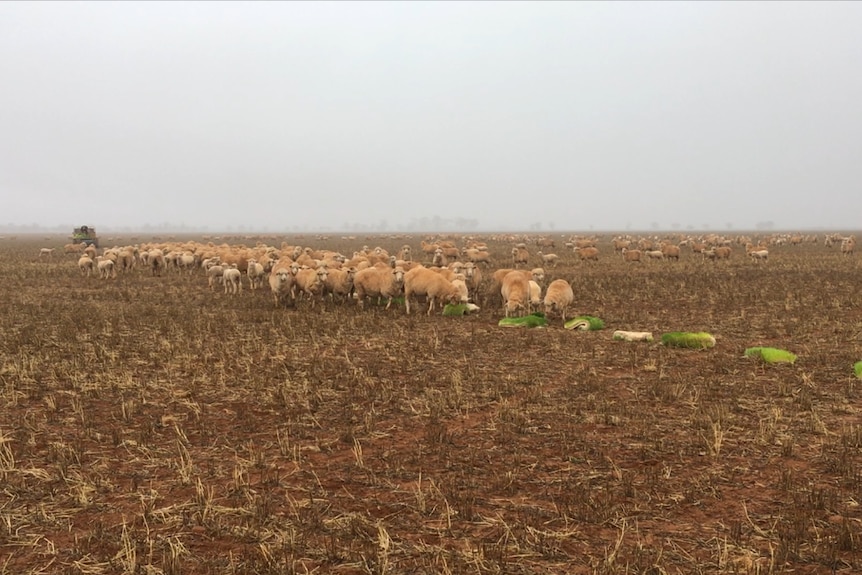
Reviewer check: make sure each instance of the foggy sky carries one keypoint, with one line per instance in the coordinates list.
(580, 115)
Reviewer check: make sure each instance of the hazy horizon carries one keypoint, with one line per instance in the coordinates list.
(351, 116)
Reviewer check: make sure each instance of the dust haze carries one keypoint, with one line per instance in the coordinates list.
(410, 115)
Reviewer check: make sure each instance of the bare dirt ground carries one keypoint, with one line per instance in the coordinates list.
(149, 425)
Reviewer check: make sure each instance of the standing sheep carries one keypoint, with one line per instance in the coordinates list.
(281, 284)
(85, 264)
(339, 282)
(232, 280)
(255, 274)
(558, 297)
(549, 259)
(381, 282)
(310, 281)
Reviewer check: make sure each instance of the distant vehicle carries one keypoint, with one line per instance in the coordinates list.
(86, 235)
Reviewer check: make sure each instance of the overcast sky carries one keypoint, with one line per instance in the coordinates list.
(273, 115)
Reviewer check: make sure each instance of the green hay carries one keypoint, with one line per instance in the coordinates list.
(693, 340)
(585, 323)
(771, 354)
(533, 320)
(857, 369)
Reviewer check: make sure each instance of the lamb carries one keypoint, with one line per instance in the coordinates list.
(655, 254)
(46, 253)
(310, 281)
(558, 297)
(423, 281)
(549, 259)
(339, 282)
(381, 282)
(85, 264)
(232, 280)
(515, 290)
(281, 282)
(255, 274)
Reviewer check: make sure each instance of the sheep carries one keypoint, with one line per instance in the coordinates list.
(85, 264)
(847, 246)
(214, 276)
(536, 274)
(590, 253)
(232, 280)
(46, 253)
(310, 281)
(255, 274)
(758, 255)
(515, 289)
(381, 282)
(535, 295)
(655, 254)
(423, 281)
(156, 259)
(631, 255)
(476, 255)
(106, 268)
(520, 255)
(73, 248)
(719, 253)
(439, 258)
(281, 282)
(549, 259)
(558, 297)
(473, 278)
(339, 282)
(126, 259)
(671, 252)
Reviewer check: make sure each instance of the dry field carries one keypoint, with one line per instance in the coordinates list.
(152, 426)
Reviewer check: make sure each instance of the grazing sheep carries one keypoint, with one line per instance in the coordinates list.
(425, 282)
(671, 252)
(549, 259)
(339, 282)
(719, 253)
(381, 282)
(590, 253)
(631, 255)
(232, 280)
(535, 295)
(515, 289)
(255, 274)
(655, 254)
(281, 282)
(46, 253)
(73, 248)
(126, 259)
(476, 255)
(85, 264)
(759, 255)
(558, 297)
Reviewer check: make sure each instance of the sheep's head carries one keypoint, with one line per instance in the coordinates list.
(538, 275)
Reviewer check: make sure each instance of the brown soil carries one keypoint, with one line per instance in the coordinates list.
(150, 425)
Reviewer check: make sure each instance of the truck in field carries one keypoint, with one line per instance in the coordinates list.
(86, 235)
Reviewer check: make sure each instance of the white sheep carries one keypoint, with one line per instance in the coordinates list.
(558, 297)
(759, 255)
(535, 295)
(549, 259)
(281, 282)
(232, 280)
(214, 276)
(421, 281)
(473, 278)
(46, 253)
(381, 282)
(255, 274)
(106, 268)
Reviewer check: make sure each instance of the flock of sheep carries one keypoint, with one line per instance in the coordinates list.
(447, 274)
